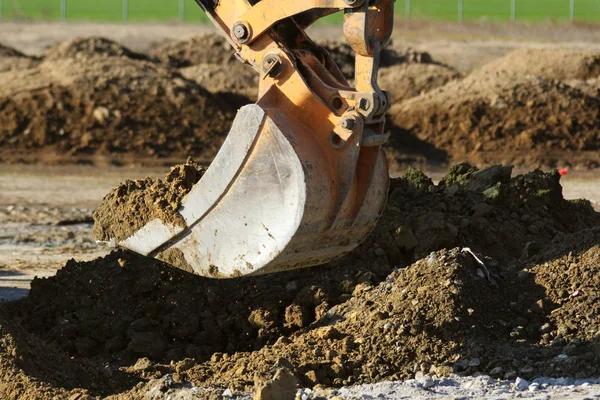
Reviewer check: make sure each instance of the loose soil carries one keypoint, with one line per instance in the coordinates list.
(134, 203)
(12, 59)
(412, 79)
(561, 64)
(205, 49)
(507, 118)
(93, 100)
(82, 107)
(407, 300)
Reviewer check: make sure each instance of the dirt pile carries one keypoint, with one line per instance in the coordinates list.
(90, 47)
(355, 320)
(204, 49)
(236, 84)
(411, 79)
(134, 203)
(561, 64)
(28, 369)
(506, 118)
(13, 60)
(82, 108)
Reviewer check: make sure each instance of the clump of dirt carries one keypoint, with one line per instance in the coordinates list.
(134, 203)
(13, 60)
(375, 314)
(204, 49)
(409, 80)
(505, 118)
(28, 369)
(115, 108)
(561, 64)
(569, 270)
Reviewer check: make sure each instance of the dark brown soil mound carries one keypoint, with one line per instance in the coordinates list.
(132, 204)
(13, 60)
(205, 49)
(561, 64)
(114, 108)
(506, 118)
(90, 47)
(354, 320)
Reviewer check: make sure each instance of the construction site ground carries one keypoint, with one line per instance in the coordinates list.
(410, 314)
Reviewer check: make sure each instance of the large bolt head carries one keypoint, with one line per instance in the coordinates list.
(240, 32)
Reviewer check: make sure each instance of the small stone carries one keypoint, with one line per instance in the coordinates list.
(291, 286)
(283, 386)
(534, 387)
(521, 384)
(100, 114)
(546, 328)
(475, 362)
(184, 365)
(510, 375)
(497, 372)
(432, 259)
(227, 393)
(405, 239)
(427, 383)
(327, 332)
(564, 381)
(379, 252)
(142, 364)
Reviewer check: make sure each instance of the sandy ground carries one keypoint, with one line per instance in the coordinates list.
(464, 46)
(45, 214)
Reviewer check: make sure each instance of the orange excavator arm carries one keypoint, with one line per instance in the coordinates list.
(301, 178)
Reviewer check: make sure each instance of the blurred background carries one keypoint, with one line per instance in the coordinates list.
(182, 10)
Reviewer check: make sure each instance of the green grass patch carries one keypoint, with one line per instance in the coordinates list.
(168, 10)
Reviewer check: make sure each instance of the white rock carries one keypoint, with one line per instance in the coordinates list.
(521, 384)
(564, 381)
(427, 383)
(534, 387)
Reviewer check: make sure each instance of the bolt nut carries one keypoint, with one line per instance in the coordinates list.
(364, 104)
(272, 65)
(348, 123)
(240, 32)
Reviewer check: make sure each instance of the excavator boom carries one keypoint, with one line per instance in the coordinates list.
(301, 178)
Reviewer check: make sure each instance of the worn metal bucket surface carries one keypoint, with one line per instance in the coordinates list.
(273, 199)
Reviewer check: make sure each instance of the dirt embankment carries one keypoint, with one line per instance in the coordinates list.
(406, 300)
(559, 64)
(93, 99)
(502, 117)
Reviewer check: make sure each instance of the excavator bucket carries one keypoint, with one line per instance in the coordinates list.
(267, 203)
(301, 178)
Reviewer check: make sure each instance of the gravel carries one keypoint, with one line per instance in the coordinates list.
(422, 387)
